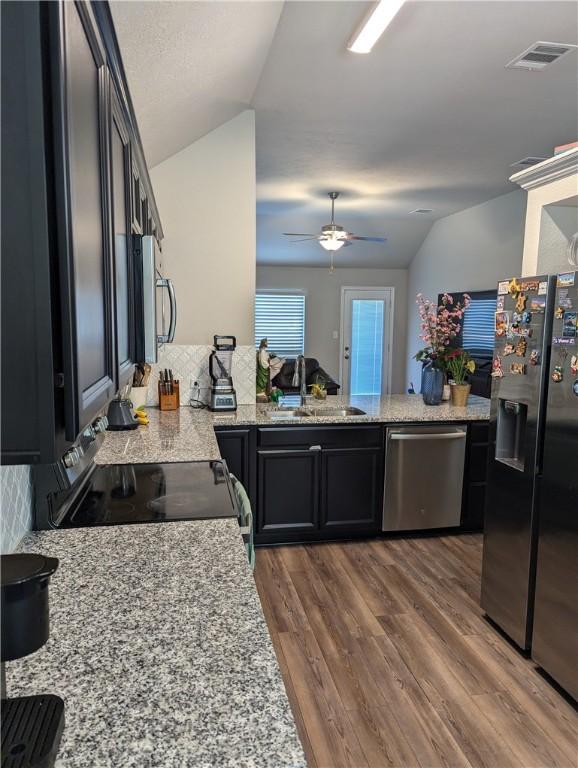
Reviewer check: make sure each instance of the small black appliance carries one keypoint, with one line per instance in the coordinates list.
(31, 725)
(223, 395)
(120, 414)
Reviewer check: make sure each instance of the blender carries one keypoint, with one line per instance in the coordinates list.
(223, 396)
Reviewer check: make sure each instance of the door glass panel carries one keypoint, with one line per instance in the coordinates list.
(366, 346)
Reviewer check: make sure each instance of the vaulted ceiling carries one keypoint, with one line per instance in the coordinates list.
(430, 119)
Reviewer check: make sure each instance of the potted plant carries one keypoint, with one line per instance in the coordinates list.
(440, 325)
(458, 365)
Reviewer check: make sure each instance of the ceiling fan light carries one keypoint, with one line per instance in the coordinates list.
(374, 26)
(332, 243)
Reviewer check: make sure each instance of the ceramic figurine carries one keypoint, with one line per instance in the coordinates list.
(534, 357)
(557, 374)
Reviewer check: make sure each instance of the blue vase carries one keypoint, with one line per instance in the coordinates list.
(432, 384)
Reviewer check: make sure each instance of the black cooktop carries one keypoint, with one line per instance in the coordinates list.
(118, 494)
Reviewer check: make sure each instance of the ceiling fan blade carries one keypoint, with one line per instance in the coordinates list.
(298, 234)
(346, 243)
(369, 239)
(304, 239)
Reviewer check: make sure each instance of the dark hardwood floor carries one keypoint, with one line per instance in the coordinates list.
(388, 661)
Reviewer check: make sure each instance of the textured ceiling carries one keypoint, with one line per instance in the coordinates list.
(191, 66)
(430, 119)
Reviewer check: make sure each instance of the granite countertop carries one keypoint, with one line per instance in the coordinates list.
(188, 433)
(160, 650)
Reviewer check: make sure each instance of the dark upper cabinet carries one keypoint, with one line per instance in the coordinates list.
(70, 143)
(81, 117)
(121, 177)
(351, 489)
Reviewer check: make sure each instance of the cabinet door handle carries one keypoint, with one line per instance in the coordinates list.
(314, 447)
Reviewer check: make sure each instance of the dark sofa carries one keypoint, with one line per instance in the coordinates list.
(314, 374)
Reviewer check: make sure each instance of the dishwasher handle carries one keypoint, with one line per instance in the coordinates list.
(428, 436)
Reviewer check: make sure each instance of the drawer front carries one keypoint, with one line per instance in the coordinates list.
(327, 437)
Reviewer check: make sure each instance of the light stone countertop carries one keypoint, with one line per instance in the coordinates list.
(160, 650)
(188, 434)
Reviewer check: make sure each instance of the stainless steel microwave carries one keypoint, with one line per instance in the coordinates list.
(155, 301)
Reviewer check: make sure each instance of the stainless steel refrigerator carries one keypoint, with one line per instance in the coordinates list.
(519, 386)
(555, 636)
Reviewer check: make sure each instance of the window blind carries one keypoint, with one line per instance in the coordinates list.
(478, 326)
(280, 318)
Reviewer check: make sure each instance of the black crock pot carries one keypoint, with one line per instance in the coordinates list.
(24, 595)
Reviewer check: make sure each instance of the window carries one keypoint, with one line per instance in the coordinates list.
(478, 326)
(478, 330)
(280, 318)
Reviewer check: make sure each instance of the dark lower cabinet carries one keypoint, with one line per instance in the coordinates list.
(475, 477)
(316, 483)
(352, 489)
(288, 492)
(237, 447)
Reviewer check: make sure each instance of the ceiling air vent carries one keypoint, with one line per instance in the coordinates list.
(540, 55)
(525, 162)
(422, 210)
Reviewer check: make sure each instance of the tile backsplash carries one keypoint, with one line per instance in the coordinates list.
(191, 363)
(15, 506)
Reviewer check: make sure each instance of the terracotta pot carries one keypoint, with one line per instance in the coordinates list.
(460, 394)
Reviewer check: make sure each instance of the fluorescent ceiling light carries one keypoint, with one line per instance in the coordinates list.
(374, 26)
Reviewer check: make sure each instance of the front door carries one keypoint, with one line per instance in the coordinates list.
(366, 331)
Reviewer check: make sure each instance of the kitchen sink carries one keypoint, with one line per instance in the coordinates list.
(343, 412)
(288, 413)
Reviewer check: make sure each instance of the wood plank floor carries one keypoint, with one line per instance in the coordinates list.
(388, 661)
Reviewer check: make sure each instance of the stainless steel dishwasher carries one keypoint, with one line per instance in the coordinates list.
(424, 476)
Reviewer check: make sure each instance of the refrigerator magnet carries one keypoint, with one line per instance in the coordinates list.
(575, 387)
(559, 313)
(521, 347)
(500, 301)
(543, 288)
(574, 364)
(538, 303)
(565, 279)
(509, 349)
(526, 317)
(521, 302)
(534, 357)
(514, 288)
(518, 369)
(569, 324)
(503, 287)
(557, 374)
(502, 323)
(530, 285)
(497, 370)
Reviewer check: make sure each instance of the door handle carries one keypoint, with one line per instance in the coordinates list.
(434, 436)
(315, 448)
(166, 337)
(346, 353)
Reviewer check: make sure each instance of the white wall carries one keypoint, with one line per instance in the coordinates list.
(470, 250)
(323, 307)
(206, 197)
(541, 196)
(558, 225)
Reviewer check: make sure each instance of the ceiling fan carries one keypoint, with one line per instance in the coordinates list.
(333, 236)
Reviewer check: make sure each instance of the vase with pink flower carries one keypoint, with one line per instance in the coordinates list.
(440, 324)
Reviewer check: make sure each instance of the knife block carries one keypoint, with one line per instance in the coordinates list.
(169, 402)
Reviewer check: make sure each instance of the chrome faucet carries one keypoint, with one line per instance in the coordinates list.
(302, 379)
